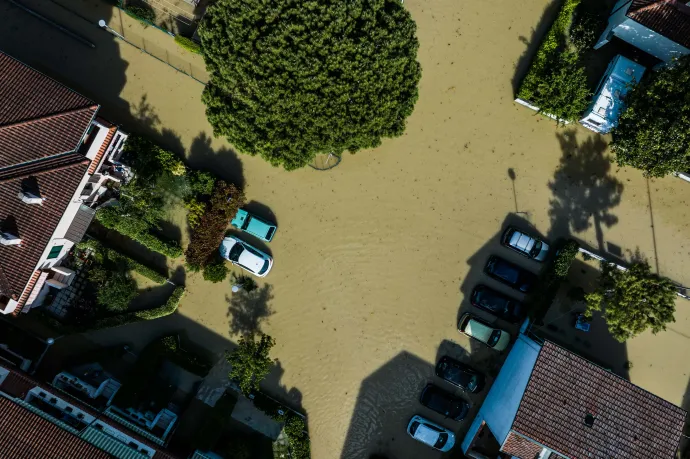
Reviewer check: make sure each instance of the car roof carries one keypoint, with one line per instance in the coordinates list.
(522, 241)
(251, 261)
(478, 330)
(426, 434)
(258, 227)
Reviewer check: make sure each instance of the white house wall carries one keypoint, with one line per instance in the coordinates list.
(647, 40)
(615, 19)
(501, 404)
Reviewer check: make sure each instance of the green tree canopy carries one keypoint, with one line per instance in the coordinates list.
(292, 79)
(653, 133)
(250, 361)
(633, 301)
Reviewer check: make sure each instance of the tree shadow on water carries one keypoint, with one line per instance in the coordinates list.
(224, 162)
(247, 310)
(583, 191)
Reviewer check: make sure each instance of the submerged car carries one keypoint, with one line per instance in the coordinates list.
(524, 244)
(497, 304)
(431, 434)
(459, 374)
(254, 225)
(476, 328)
(443, 402)
(510, 274)
(245, 256)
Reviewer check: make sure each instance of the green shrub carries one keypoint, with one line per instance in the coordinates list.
(201, 183)
(195, 210)
(297, 437)
(556, 82)
(246, 283)
(216, 271)
(168, 308)
(117, 292)
(565, 257)
(140, 12)
(138, 230)
(584, 31)
(169, 162)
(188, 44)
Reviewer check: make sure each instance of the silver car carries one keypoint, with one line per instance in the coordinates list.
(430, 433)
(476, 328)
(524, 244)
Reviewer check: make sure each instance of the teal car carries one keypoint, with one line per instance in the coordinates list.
(254, 225)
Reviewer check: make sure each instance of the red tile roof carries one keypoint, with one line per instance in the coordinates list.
(35, 223)
(670, 18)
(628, 421)
(26, 94)
(106, 143)
(518, 446)
(44, 137)
(26, 435)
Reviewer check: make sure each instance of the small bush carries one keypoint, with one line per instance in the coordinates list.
(564, 259)
(195, 210)
(246, 283)
(216, 271)
(188, 44)
(297, 437)
(138, 230)
(117, 292)
(201, 183)
(584, 31)
(170, 163)
(140, 12)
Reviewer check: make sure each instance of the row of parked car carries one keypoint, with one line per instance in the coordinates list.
(461, 375)
(243, 254)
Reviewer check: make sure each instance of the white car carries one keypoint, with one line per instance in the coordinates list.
(245, 256)
(431, 434)
(476, 328)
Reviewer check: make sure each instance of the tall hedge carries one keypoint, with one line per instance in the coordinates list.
(292, 79)
(556, 80)
(206, 237)
(136, 229)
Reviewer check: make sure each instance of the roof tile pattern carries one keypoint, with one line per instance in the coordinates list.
(629, 421)
(43, 137)
(99, 155)
(35, 223)
(518, 446)
(26, 94)
(26, 435)
(670, 18)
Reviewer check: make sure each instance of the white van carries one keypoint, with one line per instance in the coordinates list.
(621, 74)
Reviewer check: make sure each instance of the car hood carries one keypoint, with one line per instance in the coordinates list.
(251, 261)
(542, 253)
(521, 241)
(227, 244)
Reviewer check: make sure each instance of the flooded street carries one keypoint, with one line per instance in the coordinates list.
(373, 259)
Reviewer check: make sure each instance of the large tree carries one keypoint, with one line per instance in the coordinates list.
(633, 300)
(291, 79)
(653, 133)
(250, 361)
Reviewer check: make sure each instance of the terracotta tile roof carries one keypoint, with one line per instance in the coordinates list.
(670, 18)
(27, 291)
(519, 446)
(35, 223)
(43, 137)
(26, 94)
(106, 143)
(26, 435)
(628, 421)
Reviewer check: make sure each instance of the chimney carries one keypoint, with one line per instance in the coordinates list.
(30, 198)
(9, 239)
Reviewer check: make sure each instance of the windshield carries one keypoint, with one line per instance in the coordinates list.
(472, 385)
(264, 268)
(246, 223)
(442, 439)
(536, 249)
(413, 427)
(235, 252)
(493, 339)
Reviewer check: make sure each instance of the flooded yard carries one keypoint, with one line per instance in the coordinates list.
(374, 259)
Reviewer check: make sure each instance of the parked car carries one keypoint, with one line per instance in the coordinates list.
(245, 256)
(459, 374)
(430, 434)
(498, 304)
(254, 225)
(443, 402)
(510, 274)
(476, 328)
(524, 244)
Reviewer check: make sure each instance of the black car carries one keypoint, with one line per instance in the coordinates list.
(458, 374)
(510, 274)
(443, 402)
(498, 304)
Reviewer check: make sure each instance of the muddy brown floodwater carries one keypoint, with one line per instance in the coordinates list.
(373, 259)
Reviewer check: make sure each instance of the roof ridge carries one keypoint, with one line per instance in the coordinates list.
(49, 117)
(78, 159)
